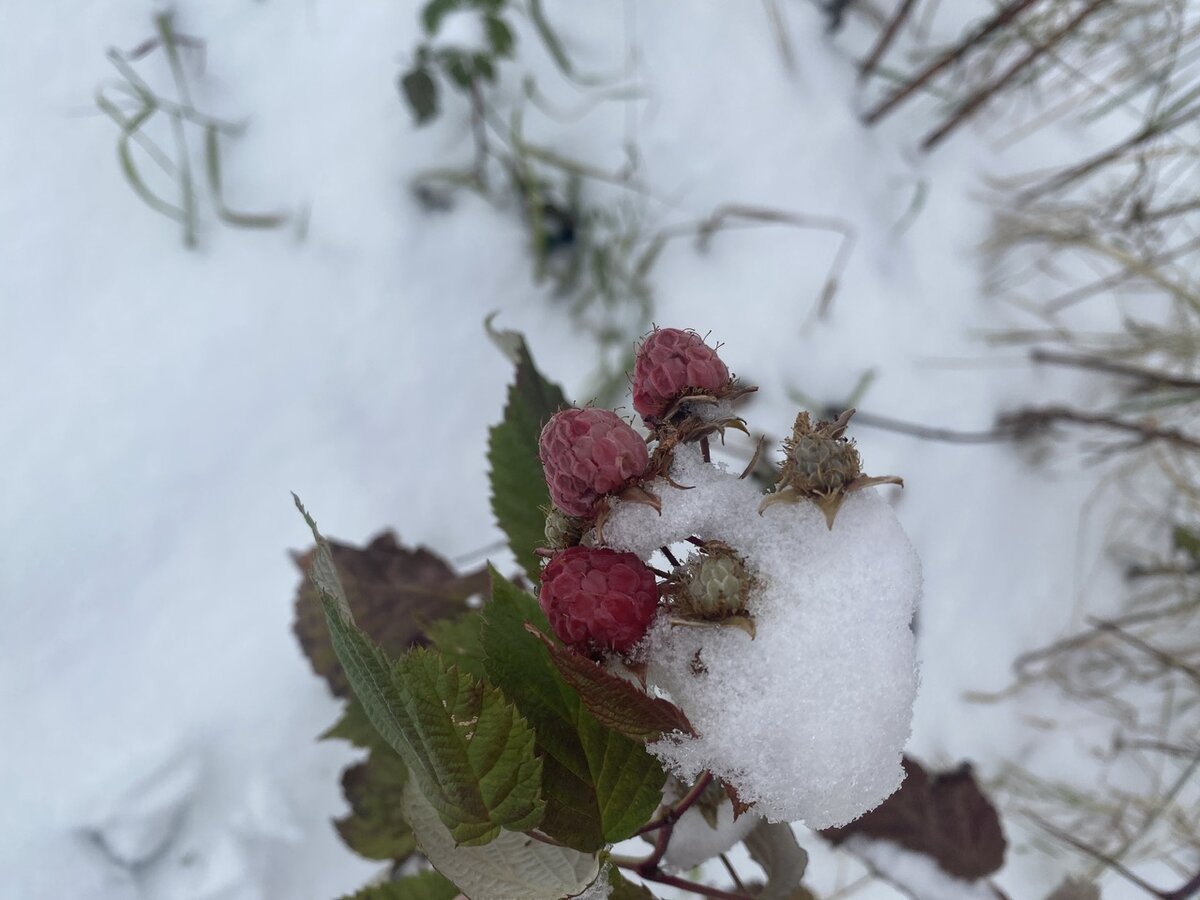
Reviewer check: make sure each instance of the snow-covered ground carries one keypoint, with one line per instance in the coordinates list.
(159, 719)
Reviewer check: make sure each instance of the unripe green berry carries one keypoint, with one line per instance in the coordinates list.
(822, 465)
(563, 531)
(714, 584)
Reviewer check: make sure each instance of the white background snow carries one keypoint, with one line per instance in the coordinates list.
(160, 403)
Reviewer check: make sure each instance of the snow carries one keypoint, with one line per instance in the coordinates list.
(808, 719)
(694, 839)
(161, 403)
(914, 873)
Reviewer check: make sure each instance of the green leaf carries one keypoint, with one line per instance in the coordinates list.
(422, 886)
(773, 846)
(392, 590)
(615, 702)
(512, 866)
(374, 789)
(434, 12)
(482, 67)
(623, 889)
(464, 744)
(457, 66)
(519, 492)
(600, 787)
(421, 93)
(1187, 541)
(458, 640)
(355, 728)
(499, 35)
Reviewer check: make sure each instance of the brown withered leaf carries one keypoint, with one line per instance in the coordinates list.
(393, 592)
(615, 702)
(942, 815)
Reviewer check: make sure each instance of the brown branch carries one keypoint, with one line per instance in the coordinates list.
(925, 432)
(1024, 421)
(885, 39)
(648, 867)
(947, 59)
(696, 888)
(981, 96)
(1191, 889)
(737, 880)
(1099, 364)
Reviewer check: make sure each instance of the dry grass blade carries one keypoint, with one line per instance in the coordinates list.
(1003, 17)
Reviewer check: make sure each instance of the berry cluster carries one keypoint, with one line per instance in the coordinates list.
(599, 600)
(595, 598)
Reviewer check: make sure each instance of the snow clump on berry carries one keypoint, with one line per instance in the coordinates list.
(671, 364)
(806, 721)
(586, 454)
(597, 598)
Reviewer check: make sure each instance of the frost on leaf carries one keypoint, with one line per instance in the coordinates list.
(511, 867)
(392, 590)
(944, 816)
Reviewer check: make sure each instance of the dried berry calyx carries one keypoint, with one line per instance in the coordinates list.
(588, 454)
(598, 599)
(821, 464)
(676, 376)
(713, 585)
(564, 531)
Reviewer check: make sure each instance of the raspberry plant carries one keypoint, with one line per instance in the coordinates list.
(514, 742)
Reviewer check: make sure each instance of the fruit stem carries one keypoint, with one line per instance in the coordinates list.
(673, 814)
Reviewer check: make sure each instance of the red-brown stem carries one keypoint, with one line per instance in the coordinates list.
(704, 449)
(649, 865)
(671, 816)
(737, 881)
(666, 551)
(702, 889)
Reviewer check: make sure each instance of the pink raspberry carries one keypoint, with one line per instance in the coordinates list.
(595, 597)
(671, 363)
(587, 453)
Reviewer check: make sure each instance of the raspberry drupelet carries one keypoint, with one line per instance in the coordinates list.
(588, 454)
(597, 598)
(670, 365)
